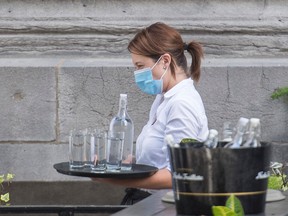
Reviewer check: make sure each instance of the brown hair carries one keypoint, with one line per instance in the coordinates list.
(160, 38)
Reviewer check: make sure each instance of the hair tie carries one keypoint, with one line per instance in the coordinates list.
(185, 46)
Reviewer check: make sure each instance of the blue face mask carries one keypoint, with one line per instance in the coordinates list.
(144, 80)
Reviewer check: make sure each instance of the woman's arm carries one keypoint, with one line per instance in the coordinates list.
(162, 179)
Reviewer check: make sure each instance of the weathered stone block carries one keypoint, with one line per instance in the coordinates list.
(34, 162)
(74, 27)
(28, 103)
(243, 89)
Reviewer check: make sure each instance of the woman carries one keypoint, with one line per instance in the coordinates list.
(158, 53)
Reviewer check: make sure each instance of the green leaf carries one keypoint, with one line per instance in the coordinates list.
(235, 205)
(188, 140)
(9, 177)
(280, 92)
(5, 197)
(222, 211)
(275, 182)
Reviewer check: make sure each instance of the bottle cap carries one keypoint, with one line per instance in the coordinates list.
(243, 121)
(124, 96)
(213, 132)
(254, 121)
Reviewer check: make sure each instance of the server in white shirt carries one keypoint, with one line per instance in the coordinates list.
(158, 53)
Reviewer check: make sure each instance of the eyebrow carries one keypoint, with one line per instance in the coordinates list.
(139, 63)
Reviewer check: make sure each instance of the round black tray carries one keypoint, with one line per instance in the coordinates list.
(137, 171)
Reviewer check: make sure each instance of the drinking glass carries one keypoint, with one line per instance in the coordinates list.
(115, 142)
(98, 150)
(76, 149)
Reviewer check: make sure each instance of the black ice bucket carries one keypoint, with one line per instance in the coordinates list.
(204, 177)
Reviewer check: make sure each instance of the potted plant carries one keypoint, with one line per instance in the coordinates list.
(278, 179)
(5, 181)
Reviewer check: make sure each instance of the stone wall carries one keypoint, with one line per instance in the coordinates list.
(64, 63)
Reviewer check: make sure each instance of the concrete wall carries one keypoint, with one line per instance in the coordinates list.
(64, 63)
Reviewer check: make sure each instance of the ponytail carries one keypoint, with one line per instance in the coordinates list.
(196, 51)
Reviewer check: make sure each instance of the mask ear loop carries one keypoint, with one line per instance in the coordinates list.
(164, 73)
(156, 62)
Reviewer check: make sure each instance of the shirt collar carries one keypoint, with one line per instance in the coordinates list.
(177, 87)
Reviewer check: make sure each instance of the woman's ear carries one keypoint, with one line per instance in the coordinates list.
(166, 60)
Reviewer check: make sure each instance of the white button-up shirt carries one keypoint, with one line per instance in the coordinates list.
(179, 112)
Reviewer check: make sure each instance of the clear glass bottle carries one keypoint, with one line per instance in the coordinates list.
(212, 139)
(253, 139)
(123, 123)
(241, 128)
(227, 132)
